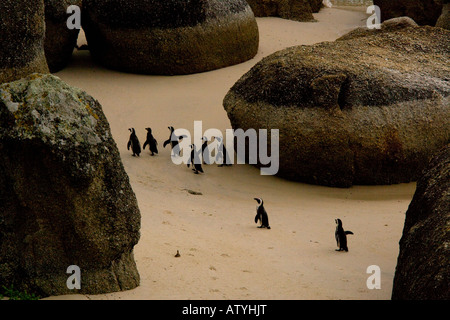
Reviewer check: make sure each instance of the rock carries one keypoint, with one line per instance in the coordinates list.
(170, 37)
(424, 12)
(423, 266)
(316, 5)
(298, 10)
(65, 198)
(368, 110)
(444, 18)
(22, 34)
(59, 40)
(390, 25)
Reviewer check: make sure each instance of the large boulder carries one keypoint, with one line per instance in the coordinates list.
(22, 32)
(59, 39)
(170, 37)
(298, 10)
(444, 18)
(65, 198)
(423, 266)
(367, 110)
(424, 12)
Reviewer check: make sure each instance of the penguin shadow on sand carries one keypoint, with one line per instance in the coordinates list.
(133, 143)
(341, 236)
(151, 142)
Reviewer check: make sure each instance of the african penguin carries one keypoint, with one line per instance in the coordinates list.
(195, 160)
(205, 147)
(222, 154)
(341, 236)
(151, 142)
(261, 214)
(134, 143)
(174, 140)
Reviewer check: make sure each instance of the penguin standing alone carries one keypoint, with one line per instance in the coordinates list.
(341, 236)
(134, 143)
(151, 142)
(261, 214)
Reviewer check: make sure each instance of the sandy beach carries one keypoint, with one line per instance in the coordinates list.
(223, 253)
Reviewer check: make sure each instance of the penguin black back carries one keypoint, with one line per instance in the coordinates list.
(261, 214)
(151, 142)
(341, 236)
(133, 143)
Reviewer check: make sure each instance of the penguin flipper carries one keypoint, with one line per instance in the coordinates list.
(145, 144)
(166, 142)
(129, 145)
(256, 218)
(348, 232)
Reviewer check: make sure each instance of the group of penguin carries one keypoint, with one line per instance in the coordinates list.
(261, 213)
(173, 141)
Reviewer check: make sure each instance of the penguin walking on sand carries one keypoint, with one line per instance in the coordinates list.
(195, 160)
(222, 153)
(261, 214)
(341, 236)
(134, 143)
(174, 140)
(151, 142)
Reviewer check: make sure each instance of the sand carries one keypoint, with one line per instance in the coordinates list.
(223, 253)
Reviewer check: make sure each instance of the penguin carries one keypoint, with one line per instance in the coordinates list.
(151, 142)
(173, 140)
(197, 165)
(134, 143)
(261, 214)
(341, 236)
(204, 147)
(226, 161)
